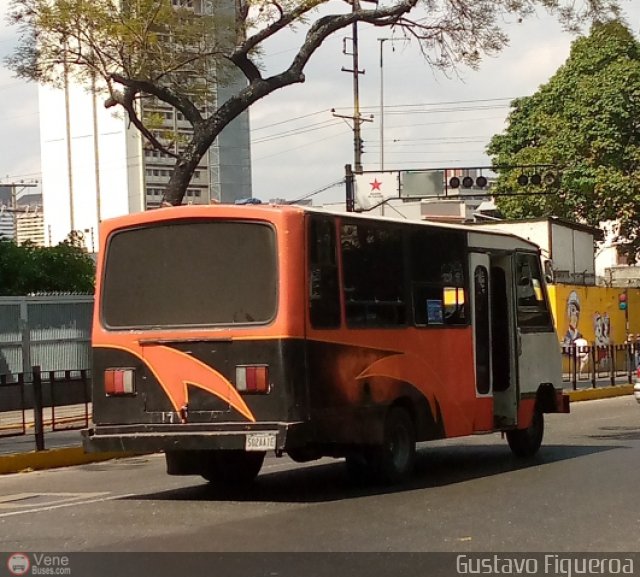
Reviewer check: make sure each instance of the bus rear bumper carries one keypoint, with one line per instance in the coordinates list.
(154, 438)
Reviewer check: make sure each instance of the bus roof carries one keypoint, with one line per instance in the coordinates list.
(262, 211)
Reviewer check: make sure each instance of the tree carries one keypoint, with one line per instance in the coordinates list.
(162, 49)
(26, 269)
(586, 123)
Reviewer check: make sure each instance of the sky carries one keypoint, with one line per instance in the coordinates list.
(298, 146)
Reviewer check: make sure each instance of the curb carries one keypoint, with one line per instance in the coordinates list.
(601, 393)
(53, 459)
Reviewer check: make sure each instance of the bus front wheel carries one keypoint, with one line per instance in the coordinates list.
(233, 468)
(394, 459)
(526, 442)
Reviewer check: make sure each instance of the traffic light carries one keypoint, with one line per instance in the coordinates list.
(622, 301)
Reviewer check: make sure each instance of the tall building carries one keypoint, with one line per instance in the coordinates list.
(7, 220)
(96, 165)
(29, 218)
(21, 216)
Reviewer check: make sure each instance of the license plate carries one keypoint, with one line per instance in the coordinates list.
(260, 442)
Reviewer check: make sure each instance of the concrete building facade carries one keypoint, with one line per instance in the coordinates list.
(21, 215)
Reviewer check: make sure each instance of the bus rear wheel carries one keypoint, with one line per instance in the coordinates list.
(230, 469)
(393, 461)
(526, 442)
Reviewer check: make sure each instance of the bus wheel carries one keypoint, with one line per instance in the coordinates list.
(526, 442)
(393, 461)
(233, 468)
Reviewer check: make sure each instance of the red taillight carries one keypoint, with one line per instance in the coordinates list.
(119, 382)
(252, 378)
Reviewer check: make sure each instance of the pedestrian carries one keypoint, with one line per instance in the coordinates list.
(582, 354)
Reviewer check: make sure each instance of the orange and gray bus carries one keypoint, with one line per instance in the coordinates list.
(222, 333)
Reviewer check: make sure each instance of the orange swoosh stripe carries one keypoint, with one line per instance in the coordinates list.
(174, 370)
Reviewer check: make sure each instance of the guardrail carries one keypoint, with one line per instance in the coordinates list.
(46, 401)
(596, 366)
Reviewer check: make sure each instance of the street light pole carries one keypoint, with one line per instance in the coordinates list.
(382, 41)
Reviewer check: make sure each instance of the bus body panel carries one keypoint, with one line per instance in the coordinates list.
(329, 388)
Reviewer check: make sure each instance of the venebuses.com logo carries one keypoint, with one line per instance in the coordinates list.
(18, 564)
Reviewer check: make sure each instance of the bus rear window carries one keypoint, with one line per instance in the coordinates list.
(192, 273)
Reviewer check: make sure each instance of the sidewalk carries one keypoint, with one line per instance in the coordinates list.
(63, 448)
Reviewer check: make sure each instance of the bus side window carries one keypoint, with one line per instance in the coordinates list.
(373, 269)
(324, 296)
(533, 311)
(438, 277)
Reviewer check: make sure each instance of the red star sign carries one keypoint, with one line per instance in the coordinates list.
(375, 185)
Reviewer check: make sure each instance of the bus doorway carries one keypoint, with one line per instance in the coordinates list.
(505, 350)
(493, 335)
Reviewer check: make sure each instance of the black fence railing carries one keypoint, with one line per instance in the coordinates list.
(597, 366)
(40, 402)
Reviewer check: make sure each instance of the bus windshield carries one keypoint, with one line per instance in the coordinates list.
(190, 273)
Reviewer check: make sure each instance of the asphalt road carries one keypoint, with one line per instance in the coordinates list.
(468, 495)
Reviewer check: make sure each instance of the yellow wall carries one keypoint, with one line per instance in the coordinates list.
(596, 308)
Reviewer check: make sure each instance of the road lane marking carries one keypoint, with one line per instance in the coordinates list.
(67, 504)
(25, 500)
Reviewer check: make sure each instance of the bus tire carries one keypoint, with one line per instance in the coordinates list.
(526, 442)
(230, 469)
(394, 460)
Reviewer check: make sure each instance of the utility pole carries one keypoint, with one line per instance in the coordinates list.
(382, 41)
(355, 71)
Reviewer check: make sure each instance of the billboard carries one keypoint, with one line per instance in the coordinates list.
(422, 183)
(373, 188)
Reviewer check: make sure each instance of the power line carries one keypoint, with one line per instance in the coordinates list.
(445, 110)
(326, 110)
(323, 189)
(328, 123)
(310, 143)
(396, 145)
(391, 109)
(297, 131)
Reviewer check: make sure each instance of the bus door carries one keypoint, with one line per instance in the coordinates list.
(537, 343)
(504, 332)
(481, 320)
(495, 334)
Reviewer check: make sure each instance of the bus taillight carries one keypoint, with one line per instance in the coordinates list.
(119, 382)
(252, 378)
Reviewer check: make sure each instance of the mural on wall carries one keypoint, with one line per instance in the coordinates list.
(573, 318)
(592, 313)
(602, 329)
(602, 332)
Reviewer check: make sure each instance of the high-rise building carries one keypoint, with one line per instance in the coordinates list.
(7, 220)
(96, 165)
(21, 217)
(29, 219)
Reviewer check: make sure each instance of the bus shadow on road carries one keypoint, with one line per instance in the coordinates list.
(329, 481)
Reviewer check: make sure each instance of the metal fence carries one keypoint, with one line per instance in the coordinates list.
(597, 366)
(38, 402)
(52, 332)
(45, 364)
